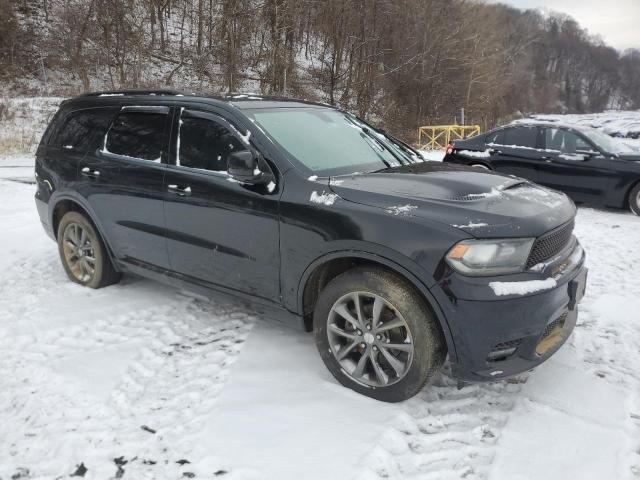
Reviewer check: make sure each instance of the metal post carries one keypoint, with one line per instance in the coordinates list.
(462, 116)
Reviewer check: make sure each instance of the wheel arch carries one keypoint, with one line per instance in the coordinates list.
(71, 203)
(329, 266)
(627, 196)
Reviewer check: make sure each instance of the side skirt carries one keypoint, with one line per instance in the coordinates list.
(263, 308)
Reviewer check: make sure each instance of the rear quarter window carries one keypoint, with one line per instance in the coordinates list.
(83, 130)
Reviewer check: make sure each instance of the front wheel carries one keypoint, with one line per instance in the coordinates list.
(83, 254)
(634, 199)
(376, 335)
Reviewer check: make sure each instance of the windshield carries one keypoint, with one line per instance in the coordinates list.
(329, 142)
(605, 142)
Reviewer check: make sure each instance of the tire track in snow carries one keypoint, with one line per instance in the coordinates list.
(183, 350)
(607, 336)
(444, 432)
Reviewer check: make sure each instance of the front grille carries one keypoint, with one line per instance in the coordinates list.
(550, 244)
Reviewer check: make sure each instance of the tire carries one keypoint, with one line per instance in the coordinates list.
(83, 253)
(417, 343)
(634, 199)
(480, 165)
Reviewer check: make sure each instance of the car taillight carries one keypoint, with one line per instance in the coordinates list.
(449, 149)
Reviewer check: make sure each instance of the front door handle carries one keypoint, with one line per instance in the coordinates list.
(87, 172)
(179, 190)
(546, 159)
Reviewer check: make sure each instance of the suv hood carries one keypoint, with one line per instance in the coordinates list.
(481, 203)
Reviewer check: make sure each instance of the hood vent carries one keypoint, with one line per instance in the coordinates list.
(495, 192)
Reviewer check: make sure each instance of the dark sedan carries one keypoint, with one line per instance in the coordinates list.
(583, 162)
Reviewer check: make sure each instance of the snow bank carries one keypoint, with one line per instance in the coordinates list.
(23, 120)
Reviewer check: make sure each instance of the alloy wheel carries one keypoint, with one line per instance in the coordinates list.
(78, 251)
(370, 339)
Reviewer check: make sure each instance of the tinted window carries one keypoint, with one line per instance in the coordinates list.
(496, 138)
(564, 141)
(84, 129)
(137, 134)
(521, 137)
(206, 144)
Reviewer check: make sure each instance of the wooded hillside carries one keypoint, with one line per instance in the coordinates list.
(404, 62)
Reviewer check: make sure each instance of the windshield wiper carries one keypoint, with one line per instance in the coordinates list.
(372, 135)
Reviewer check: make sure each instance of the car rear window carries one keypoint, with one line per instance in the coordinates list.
(137, 134)
(84, 129)
(521, 137)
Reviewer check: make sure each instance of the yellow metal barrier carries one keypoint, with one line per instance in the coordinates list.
(439, 136)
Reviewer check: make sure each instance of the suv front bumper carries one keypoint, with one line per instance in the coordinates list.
(496, 336)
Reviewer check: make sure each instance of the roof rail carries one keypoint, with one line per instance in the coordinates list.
(115, 93)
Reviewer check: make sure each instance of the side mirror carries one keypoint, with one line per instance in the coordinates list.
(243, 167)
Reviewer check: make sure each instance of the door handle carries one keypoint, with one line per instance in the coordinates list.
(179, 190)
(87, 172)
(546, 159)
(495, 152)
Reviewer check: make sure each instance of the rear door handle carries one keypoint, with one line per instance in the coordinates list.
(546, 159)
(87, 172)
(179, 190)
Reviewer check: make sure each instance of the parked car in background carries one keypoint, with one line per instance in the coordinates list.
(583, 162)
(394, 263)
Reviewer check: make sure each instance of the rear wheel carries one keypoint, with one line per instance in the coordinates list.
(376, 335)
(634, 199)
(83, 253)
(480, 165)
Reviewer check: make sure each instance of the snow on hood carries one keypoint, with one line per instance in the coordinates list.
(483, 204)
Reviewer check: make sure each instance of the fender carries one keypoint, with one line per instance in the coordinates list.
(392, 265)
(57, 197)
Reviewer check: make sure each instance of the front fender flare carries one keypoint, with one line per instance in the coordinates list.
(392, 265)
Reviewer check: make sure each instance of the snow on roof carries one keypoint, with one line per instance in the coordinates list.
(617, 123)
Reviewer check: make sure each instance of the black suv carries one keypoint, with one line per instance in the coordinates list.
(394, 263)
(586, 164)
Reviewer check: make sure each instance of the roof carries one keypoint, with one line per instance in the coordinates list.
(239, 100)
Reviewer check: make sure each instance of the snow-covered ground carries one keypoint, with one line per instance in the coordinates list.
(145, 382)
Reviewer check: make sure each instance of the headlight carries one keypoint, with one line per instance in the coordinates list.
(490, 257)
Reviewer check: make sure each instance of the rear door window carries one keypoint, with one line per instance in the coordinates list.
(205, 143)
(138, 132)
(521, 137)
(84, 129)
